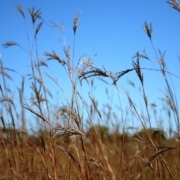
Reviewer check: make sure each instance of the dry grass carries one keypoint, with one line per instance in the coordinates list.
(64, 148)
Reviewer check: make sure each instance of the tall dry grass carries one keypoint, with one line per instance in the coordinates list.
(62, 147)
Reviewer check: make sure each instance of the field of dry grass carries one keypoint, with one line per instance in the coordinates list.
(97, 155)
(68, 147)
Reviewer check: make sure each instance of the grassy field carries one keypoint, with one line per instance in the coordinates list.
(67, 143)
(98, 155)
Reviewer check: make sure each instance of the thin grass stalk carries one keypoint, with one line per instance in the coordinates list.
(34, 16)
(164, 70)
(81, 160)
(101, 149)
(53, 157)
(75, 102)
(172, 102)
(21, 99)
(148, 30)
(17, 146)
(30, 52)
(137, 67)
(108, 171)
(163, 67)
(21, 11)
(139, 117)
(75, 26)
(174, 106)
(39, 70)
(44, 160)
(72, 159)
(122, 144)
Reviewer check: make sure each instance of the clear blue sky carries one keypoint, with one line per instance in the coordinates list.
(113, 30)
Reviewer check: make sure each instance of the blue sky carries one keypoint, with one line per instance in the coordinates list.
(111, 30)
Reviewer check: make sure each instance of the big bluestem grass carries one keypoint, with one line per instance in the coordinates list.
(65, 146)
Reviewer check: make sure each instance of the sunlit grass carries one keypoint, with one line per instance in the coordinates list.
(68, 142)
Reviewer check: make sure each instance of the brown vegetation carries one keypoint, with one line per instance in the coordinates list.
(65, 145)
